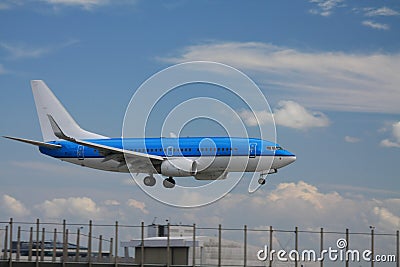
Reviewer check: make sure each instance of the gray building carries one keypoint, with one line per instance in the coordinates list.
(181, 245)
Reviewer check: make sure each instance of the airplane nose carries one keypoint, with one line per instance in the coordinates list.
(284, 161)
(291, 159)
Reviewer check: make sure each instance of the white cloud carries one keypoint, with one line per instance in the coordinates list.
(73, 207)
(322, 80)
(86, 4)
(10, 206)
(325, 7)
(8, 4)
(351, 139)
(285, 206)
(306, 206)
(375, 25)
(293, 115)
(137, 205)
(112, 202)
(289, 114)
(386, 218)
(395, 140)
(58, 4)
(4, 6)
(18, 51)
(383, 11)
(2, 70)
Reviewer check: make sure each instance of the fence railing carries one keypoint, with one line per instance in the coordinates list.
(90, 243)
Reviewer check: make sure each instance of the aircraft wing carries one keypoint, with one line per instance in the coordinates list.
(140, 161)
(33, 142)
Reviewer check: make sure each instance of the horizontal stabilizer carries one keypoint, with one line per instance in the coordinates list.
(33, 142)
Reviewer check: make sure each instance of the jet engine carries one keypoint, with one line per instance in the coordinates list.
(178, 167)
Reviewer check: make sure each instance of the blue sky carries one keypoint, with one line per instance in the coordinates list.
(328, 68)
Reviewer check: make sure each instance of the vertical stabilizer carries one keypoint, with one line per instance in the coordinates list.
(48, 104)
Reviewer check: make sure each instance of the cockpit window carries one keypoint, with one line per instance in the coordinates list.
(273, 148)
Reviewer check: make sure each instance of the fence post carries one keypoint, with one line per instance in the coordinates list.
(18, 243)
(5, 243)
(245, 246)
(296, 244)
(53, 259)
(116, 244)
(89, 255)
(347, 246)
(397, 249)
(11, 241)
(66, 242)
(322, 246)
(194, 246)
(78, 237)
(142, 246)
(64, 255)
(30, 246)
(111, 248)
(219, 244)
(100, 255)
(372, 245)
(42, 245)
(168, 245)
(270, 244)
(37, 242)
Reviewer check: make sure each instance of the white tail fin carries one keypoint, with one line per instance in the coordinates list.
(47, 103)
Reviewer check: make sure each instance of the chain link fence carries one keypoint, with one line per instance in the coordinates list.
(190, 245)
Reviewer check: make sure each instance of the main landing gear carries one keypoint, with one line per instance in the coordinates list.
(151, 181)
(169, 182)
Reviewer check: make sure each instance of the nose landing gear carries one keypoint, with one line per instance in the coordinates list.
(263, 176)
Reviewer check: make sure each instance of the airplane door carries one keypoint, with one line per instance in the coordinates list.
(170, 151)
(252, 152)
(80, 152)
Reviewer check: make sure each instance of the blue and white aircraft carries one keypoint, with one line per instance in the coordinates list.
(172, 157)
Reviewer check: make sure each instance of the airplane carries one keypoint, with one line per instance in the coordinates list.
(64, 139)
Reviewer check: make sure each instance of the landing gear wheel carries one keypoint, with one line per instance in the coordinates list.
(149, 180)
(169, 182)
(261, 181)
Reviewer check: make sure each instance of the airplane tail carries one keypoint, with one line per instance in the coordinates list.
(48, 104)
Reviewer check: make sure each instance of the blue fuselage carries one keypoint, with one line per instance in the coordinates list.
(173, 147)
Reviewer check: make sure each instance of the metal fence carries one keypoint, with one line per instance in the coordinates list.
(91, 243)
